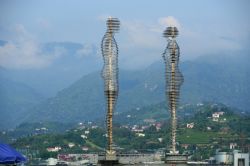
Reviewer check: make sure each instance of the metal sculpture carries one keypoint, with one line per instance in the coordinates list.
(174, 79)
(110, 75)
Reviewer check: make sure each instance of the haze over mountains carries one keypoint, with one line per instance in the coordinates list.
(15, 101)
(214, 78)
(225, 83)
(71, 61)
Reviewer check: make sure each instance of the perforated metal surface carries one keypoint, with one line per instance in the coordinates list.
(174, 79)
(110, 75)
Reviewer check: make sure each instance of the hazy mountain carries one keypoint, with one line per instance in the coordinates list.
(71, 62)
(214, 78)
(16, 100)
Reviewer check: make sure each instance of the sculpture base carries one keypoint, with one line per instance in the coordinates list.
(108, 160)
(176, 159)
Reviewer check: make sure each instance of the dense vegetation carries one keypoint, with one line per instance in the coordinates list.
(199, 140)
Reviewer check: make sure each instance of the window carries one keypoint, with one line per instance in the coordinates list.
(241, 162)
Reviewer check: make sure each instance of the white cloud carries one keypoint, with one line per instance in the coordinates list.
(169, 21)
(196, 43)
(26, 55)
(23, 52)
(148, 35)
(139, 34)
(86, 50)
(143, 44)
(140, 45)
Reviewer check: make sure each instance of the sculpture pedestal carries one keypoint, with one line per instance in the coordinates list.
(176, 159)
(108, 160)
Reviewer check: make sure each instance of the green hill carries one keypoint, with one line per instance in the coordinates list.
(16, 100)
(230, 127)
(206, 79)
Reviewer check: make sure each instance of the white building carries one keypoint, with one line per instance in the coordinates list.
(190, 125)
(223, 158)
(84, 136)
(140, 134)
(51, 161)
(85, 148)
(94, 127)
(71, 145)
(54, 149)
(215, 116)
(235, 158)
(232, 145)
(241, 159)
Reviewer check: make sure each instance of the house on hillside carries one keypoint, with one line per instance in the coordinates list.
(54, 149)
(232, 145)
(190, 125)
(85, 148)
(84, 136)
(215, 117)
(136, 129)
(140, 134)
(71, 145)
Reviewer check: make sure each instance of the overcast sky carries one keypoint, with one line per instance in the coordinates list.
(206, 27)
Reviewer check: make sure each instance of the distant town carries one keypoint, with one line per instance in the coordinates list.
(208, 136)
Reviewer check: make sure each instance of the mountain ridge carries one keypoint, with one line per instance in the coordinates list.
(84, 100)
(16, 99)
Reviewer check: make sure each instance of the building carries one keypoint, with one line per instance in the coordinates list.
(209, 128)
(140, 134)
(223, 158)
(190, 125)
(216, 116)
(51, 161)
(241, 159)
(71, 145)
(54, 149)
(137, 129)
(232, 145)
(84, 136)
(85, 148)
(235, 158)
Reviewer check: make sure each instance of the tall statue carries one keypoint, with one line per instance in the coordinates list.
(110, 75)
(174, 80)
